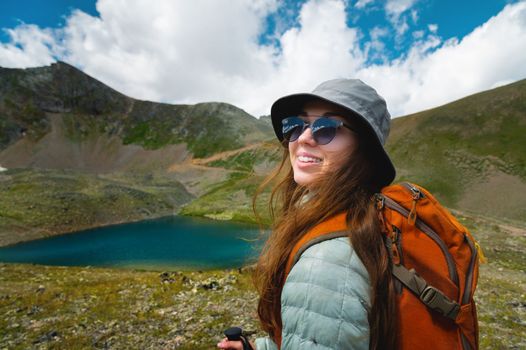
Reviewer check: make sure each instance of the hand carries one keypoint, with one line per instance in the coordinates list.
(230, 344)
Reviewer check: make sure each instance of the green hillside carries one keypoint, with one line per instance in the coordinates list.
(38, 203)
(29, 96)
(471, 153)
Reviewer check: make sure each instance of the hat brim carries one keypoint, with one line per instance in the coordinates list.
(291, 104)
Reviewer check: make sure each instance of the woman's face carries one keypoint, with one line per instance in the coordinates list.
(310, 160)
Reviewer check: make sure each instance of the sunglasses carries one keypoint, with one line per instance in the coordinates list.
(323, 129)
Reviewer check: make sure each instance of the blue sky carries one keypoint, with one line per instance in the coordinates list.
(185, 51)
(50, 13)
(453, 18)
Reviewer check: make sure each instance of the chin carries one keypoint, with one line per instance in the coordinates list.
(304, 179)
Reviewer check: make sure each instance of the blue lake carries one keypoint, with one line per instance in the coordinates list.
(161, 244)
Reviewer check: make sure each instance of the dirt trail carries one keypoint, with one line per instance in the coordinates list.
(224, 155)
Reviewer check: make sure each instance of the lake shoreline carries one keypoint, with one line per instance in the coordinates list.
(48, 232)
(168, 243)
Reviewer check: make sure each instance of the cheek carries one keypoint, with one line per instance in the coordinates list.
(342, 145)
(292, 149)
(339, 151)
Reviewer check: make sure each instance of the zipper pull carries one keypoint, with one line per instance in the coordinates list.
(395, 236)
(416, 196)
(482, 257)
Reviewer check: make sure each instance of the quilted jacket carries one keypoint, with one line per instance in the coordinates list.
(325, 300)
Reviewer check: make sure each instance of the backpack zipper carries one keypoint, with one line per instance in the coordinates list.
(416, 194)
(469, 276)
(432, 234)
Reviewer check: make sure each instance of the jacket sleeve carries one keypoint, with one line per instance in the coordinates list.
(325, 300)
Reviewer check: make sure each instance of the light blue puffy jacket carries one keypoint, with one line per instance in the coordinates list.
(325, 300)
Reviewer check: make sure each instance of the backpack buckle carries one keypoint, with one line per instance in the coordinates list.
(439, 302)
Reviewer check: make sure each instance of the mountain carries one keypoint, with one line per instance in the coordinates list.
(59, 117)
(471, 153)
(80, 154)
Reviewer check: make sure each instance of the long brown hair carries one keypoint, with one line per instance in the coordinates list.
(349, 189)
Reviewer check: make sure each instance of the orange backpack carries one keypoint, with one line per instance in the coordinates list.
(435, 266)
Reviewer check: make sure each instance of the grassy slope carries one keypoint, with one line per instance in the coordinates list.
(84, 308)
(454, 149)
(37, 203)
(232, 199)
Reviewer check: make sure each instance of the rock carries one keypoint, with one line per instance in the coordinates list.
(49, 336)
(212, 285)
(167, 277)
(34, 310)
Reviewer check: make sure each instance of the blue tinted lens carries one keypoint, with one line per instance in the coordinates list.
(324, 130)
(292, 128)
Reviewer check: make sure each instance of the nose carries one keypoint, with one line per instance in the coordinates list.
(306, 137)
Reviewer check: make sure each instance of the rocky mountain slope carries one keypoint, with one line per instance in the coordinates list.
(59, 117)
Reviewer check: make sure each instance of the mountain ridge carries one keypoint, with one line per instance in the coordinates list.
(29, 96)
(470, 152)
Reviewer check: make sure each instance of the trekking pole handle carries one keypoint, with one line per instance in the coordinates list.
(236, 334)
(233, 333)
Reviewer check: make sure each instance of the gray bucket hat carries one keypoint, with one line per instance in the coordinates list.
(361, 100)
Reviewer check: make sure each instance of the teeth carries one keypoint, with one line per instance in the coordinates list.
(306, 159)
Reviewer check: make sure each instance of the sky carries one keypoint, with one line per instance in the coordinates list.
(417, 54)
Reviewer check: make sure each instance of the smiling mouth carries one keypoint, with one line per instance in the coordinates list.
(305, 159)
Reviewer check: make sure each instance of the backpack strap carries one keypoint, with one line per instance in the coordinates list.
(429, 295)
(316, 240)
(333, 227)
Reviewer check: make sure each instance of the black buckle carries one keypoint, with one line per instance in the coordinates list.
(437, 301)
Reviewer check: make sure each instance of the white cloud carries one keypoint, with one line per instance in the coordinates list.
(29, 46)
(395, 11)
(414, 16)
(397, 7)
(375, 48)
(419, 34)
(432, 28)
(173, 51)
(322, 47)
(493, 53)
(189, 52)
(360, 4)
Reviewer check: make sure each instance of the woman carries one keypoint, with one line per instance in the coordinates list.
(339, 294)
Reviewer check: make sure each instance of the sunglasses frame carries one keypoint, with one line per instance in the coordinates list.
(334, 124)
